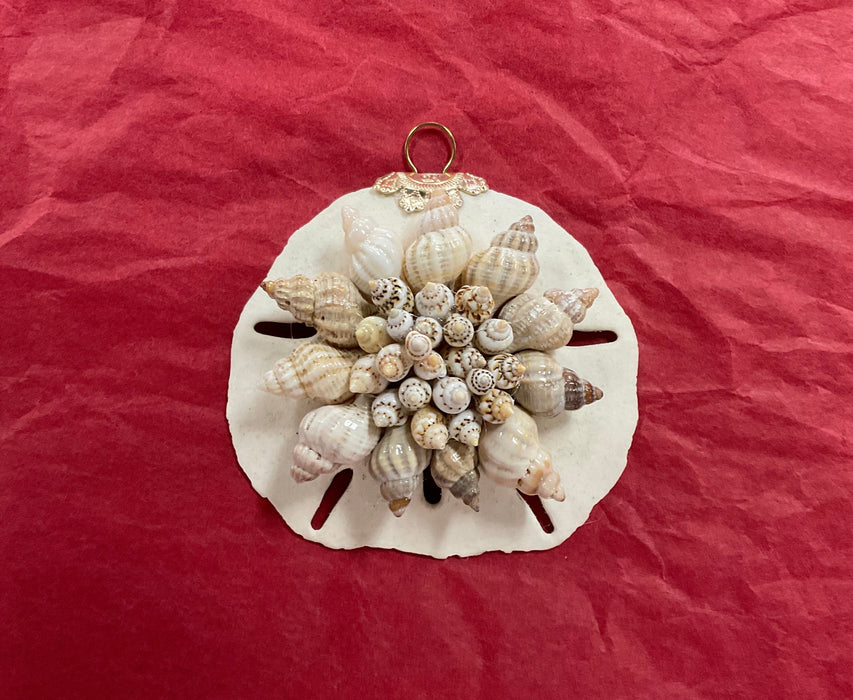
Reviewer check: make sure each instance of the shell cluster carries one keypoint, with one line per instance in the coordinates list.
(430, 357)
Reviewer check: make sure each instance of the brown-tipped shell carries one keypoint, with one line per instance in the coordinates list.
(547, 388)
(314, 370)
(372, 334)
(391, 293)
(460, 361)
(455, 468)
(397, 463)
(573, 303)
(495, 406)
(475, 303)
(508, 370)
(429, 428)
(537, 324)
(579, 392)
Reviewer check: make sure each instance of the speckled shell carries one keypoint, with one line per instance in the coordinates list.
(450, 395)
(393, 363)
(547, 388)
(364, 378)
(328, 302)
(417, 345)
(493, 336)
(333, 437)
(414, 393)
(454, 468)
(475, 303)
(495, 406)
(313, 370)
(466, 427)
(437, 255)
(460, 361)
(431, 328)
(508, 370)
(374, 252)
(509, 266)
(431, 367)
(511, 455)
(387, 410)
(573, 303)
(391, 293)
(480, 381)
(429, 428)
(537, 324)
(372, 334)
(435, 300)
(400, 322)
(458, 331)
(397, 463)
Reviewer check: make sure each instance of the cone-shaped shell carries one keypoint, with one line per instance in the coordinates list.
(573, 303)
(374, 252)
(466, 427)
(397, 463)
(458, 331)
(372, 334)
(455, 467)
(460, 361)
(547, 388)
(417, 345)
(431, 367)
(414, 393)
(393, 363)
(400, 322)
(431, 328)
(509, 266)
(508, 370)
(391, 293)
(314, 370)
(429, 428)
(435, 300)
(387, 410)
(493, 336)
(364, 378)
(328, 302)
(480, 381)
(451, 395)
(537, 324)
(475, 303)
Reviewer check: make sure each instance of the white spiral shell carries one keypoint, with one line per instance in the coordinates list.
(466, 427)
(387, 410)
(400, 322)
(431, 367)
(372, 334)
(435, 300)
(451, 395)
(374, 252)
(417, 345)
(393, 362)
(493, 336)
(364, 378)
(431, 328)
(458, 331)
(537, 323)
(480, 381)
(414, 393)
(313, 370)
(429, 428)
(460, 361)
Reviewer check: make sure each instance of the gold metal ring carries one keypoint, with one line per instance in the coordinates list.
(430, 125)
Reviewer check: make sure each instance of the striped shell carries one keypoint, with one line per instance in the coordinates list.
(466, 427)
(393, 363)
(508, 370)
(397, 463)
(431, 367)
(450, 395)
(372, 334)
(458, 331)
(391, 293)
(387, 410)
(547, 388)
(480, 381)
(429, 428)
(495, 406)
(313, 370)
(509, 266)
(455, 468)
(364, 378)
(573, 303)
(537, 324)
(414, 393)
(475, 303)
(374, 252)
(493, 336)
(435, 300)
(460, 361)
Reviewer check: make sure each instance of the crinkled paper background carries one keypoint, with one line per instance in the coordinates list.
(154, 157)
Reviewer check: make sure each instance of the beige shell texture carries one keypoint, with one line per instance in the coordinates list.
(589, 446)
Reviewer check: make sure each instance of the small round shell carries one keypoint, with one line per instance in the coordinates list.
(387, 411)
(365, 378)
(466, 427)
(508, 370)
(417, 345)
(372, 334)
(495, 406)
(429, 428)
(400, 323)
(393, 363)
(434, 300)
(460, 361)
(480, 381)
(430, 328)
(458, 331)
(431, 367)
(493, 336)
(414, 393)
(475, 303)
(451, 395)
(391, 293)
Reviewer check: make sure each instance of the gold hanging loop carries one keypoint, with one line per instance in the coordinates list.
(430, 125)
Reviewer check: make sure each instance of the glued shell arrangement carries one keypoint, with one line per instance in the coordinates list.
(431, 356)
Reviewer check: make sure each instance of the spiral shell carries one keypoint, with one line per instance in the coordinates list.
(451, 395)
(393, 363)
(313, 370)
(387, 410)
(480, 381)
(429, 428)
(374, 252)
(508, 370)
(417, 345)
(495, 406)
(431, 328)
(435, 300)
(458, 331)
(511, 455)
(454, 468)
(431, 367)
(328, 302)
(372, 334)
(391, 293)
(460, 361)
(537, 323)
(400, 322)
(333, 437)
(475, 303)
(437, 255)
(573, 303)
(493, 336)
(397, 463)
(466, 427)
(414, 393)
(364, 378)
(509, 266)
(547, 388)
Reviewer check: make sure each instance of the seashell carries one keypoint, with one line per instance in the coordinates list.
(431, 328)
(511, 455)
(460, 361)
(417, 345)
(333, 437)
(454, 467)
(364, 378)
(328, 302)
(387, 410)
(372, 334)
(414, 393)
(397, 463)
(450, 395)
(508, 370)
(374, 252)
(537, 324)
(475, 303)
(495, 406)
(393, 363)
(573, 303)
(493, 336)
(434, 300)
(480, 381)
(547, 388)
(431, 367)
(313, 370)
(509, 266)
(429, 428)
(465, 427)
(400, 322)
(391, 293)
(437, 254)
(458, 331)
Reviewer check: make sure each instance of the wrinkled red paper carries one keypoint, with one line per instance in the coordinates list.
(155, 157)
